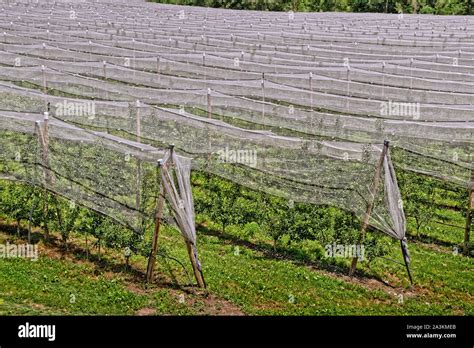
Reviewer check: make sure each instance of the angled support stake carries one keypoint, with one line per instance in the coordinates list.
(406, 259)
(196, 269)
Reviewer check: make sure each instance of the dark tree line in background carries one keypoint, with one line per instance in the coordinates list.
(441, 7)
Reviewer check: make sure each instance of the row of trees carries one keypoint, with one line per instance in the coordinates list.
(228, 204)
(286, 223)
(217, 200)
(33, 207)
(283, 221)
(441, 7)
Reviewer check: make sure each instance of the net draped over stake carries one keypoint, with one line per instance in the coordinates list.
(296, 105)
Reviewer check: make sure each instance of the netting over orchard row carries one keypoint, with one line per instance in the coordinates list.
(294, 104)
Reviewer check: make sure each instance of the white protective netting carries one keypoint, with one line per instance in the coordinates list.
(296, 105)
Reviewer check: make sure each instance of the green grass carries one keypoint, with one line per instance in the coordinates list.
(444, 281)
(251, 280)
(50, 286)
(264, 286)
(55, 286)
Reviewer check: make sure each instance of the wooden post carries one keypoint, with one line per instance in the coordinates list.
(373, 193)
(197, 271)
(138, 122)
(159, 212)
(263, 96)
(45, 191)
(90, 54)
(383, 80)
(45, 86)
(104, 67)
(139, 164)
(30, 218)
(49, 177)
(43, 135)
(348, 91)
(45, 138)
(134, 58)
(311, 100)
(209, 105)
(158, 68)
(470, 206)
